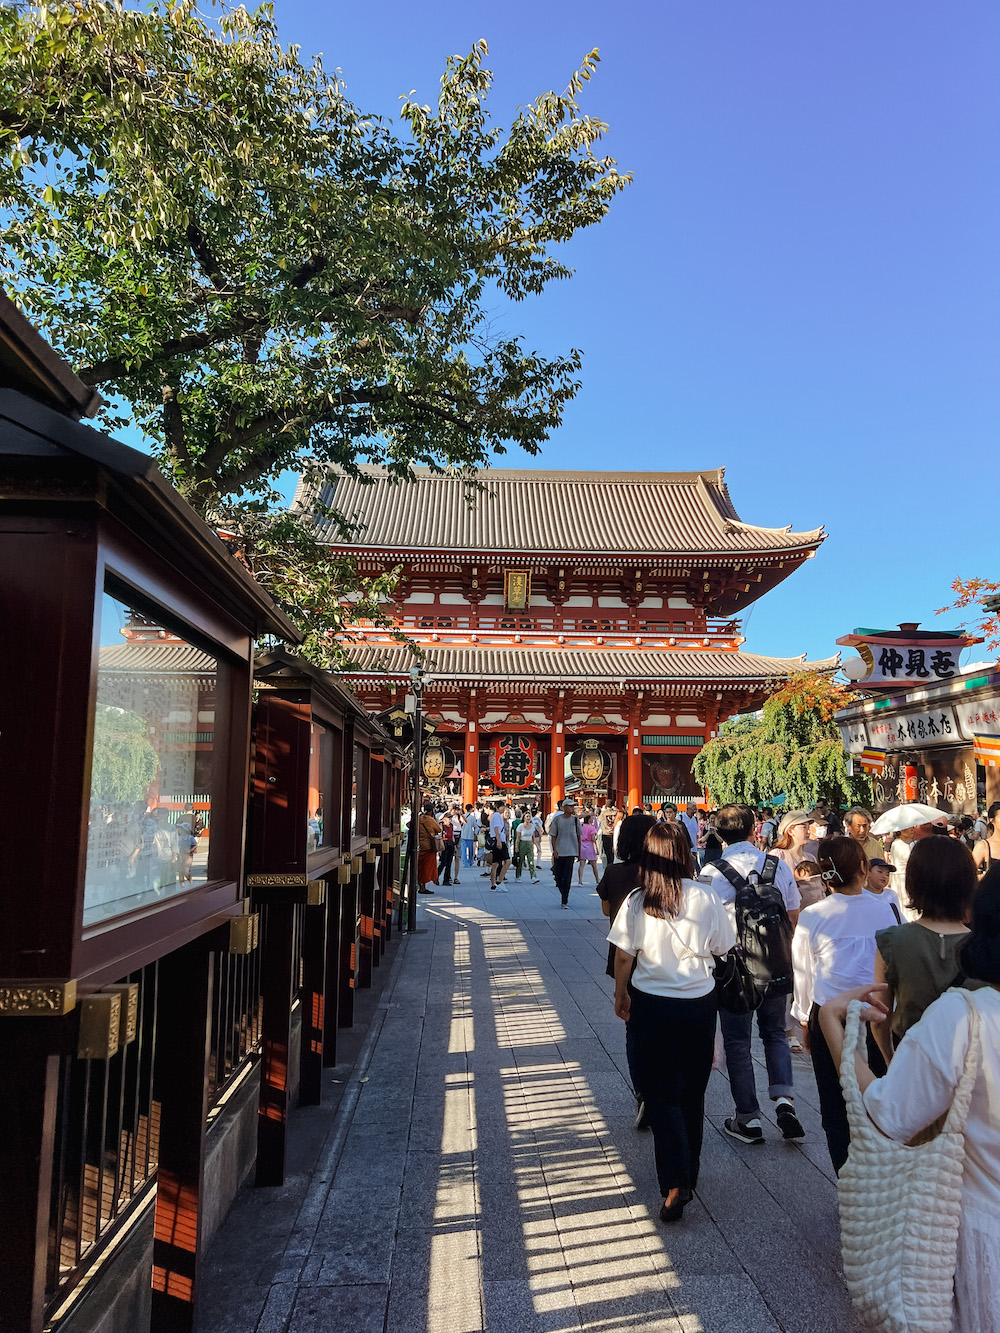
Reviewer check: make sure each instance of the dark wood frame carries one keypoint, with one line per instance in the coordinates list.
(344, 921)
(76, 505)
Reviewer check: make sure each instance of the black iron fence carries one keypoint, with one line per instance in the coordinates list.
(106, 1138)
(236, 1020)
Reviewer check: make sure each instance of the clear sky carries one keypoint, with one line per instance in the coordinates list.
(801, 285)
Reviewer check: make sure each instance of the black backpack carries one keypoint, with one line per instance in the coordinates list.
(760, 965)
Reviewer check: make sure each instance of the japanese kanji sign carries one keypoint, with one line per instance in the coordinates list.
(914, 729)
(908, 657)
(978, 717)
(512, 761)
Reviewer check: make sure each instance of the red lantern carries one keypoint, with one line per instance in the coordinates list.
(512, 761)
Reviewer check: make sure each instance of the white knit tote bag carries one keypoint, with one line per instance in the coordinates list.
(900, 1206)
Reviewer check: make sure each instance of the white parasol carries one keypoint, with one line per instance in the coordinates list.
(906, 816)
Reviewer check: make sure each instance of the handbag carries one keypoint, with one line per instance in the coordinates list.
(900, 1206)
(438, 842)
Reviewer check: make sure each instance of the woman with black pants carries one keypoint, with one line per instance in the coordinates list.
(666, 934)
(833, 950)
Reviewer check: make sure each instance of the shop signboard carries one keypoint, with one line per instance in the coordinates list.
(914, 728)
(979, 717)
(945, 779)
(854, 734)
(907, 657)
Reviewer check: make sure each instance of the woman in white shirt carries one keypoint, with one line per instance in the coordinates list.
(669, 928)
(920, 1087)
(833, 950)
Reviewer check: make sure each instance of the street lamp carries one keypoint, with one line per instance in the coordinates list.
(419, 677)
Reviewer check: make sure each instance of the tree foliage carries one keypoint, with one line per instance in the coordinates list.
(124, 763)
(254, 271)
(793, 747)
(983, 595)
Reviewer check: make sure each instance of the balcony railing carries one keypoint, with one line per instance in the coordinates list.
(106, 1147)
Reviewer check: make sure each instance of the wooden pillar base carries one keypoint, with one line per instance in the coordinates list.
(184, 1009)
(314, 937)
(275, 988)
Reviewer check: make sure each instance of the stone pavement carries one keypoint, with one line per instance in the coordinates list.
(482, 1171)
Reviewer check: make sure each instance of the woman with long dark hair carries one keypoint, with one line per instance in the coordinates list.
(665, 934)
(833, 950)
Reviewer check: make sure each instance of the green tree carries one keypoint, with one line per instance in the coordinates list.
(124, 763)
(793, 746)
(256, 272)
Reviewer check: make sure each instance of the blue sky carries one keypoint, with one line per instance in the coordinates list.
(802, 284)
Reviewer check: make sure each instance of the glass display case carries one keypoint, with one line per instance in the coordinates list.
(152, 764)
(321, 830)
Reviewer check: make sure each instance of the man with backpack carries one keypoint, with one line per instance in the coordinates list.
(762, 898)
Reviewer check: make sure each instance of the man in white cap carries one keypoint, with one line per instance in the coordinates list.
(564, 839)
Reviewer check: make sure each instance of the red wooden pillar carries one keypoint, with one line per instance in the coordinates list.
(366, 921)
(557, 753)
(634, 756)
(470, 763)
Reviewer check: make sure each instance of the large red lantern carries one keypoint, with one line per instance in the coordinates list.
(512, 761)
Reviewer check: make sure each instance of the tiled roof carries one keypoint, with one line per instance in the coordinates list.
(575, 664)
(527, 511)
(153, 658)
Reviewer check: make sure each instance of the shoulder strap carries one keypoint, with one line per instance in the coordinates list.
(955, 1121)
(731, 873)
(768, 871)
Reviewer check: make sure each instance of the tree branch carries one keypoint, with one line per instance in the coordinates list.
(115, 367)
(202, 252)
(173, 426)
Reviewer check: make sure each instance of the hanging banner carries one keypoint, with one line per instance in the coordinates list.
(512, 761)
(987, 751)
(872, 761)
(590, 765)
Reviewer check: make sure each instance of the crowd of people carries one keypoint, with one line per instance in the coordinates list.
(723, 918)
(700, 951)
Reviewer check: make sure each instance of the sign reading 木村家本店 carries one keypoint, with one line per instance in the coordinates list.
(907, 657)
(914, 728)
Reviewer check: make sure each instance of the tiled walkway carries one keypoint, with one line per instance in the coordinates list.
(490, 1176)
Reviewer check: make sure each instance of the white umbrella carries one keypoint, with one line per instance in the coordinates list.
(906, 816)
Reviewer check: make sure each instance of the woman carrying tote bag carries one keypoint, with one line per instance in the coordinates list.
(921, 1224)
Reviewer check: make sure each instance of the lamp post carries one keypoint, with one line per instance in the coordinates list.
(419, 677)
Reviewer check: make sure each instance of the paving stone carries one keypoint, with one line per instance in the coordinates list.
(492, 1177)
(362, 1309)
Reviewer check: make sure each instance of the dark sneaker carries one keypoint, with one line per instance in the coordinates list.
(751, 1132)
(788, 1122)
(640, 1117)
